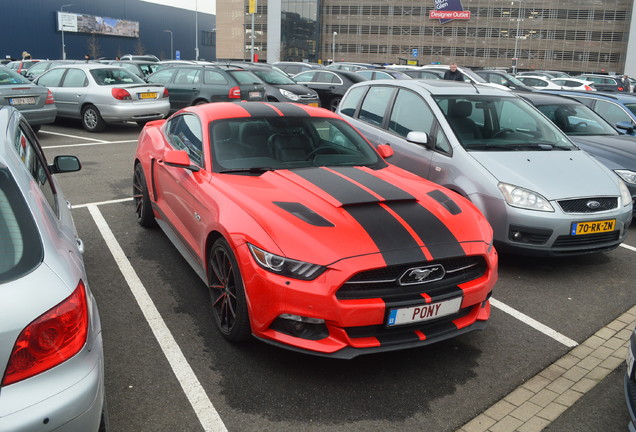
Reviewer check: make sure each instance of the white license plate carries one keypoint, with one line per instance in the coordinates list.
(255, 95)
(630, 362)
(425, 312)
(22, 101)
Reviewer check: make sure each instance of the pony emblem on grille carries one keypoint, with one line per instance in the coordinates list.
(418, 275)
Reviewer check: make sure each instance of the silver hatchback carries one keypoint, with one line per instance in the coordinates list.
(99, 94)
(541, 194)
(51, 355)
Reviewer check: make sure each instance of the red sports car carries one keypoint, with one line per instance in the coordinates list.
(306, 237)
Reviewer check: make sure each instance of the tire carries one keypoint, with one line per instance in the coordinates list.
(333, 105)
(141, 198)
(36, 128)
(92, 120)
(200, 102)
(227, 293)
(104, 424)
(142, 123)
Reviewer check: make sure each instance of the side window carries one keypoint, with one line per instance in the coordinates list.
(161, 77)
(35, 163)
(366, 73)
(51, 78)
(328, 77)
(350, 103)
(184, 133)
(213, 77)
(374, 105)
(186, 76)
(441, 142)
(305, 77)
(75, 78)
(611, 112)
(410, 113)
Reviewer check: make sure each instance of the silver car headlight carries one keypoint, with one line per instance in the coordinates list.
(286, 266)
(629, 177)
(289, 95)
(516, 196)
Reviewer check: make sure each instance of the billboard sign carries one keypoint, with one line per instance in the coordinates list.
(82, 23)
(448, 10)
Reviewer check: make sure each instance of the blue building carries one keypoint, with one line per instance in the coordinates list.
(105, 29)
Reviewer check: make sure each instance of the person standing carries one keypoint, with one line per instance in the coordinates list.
(627, 85)
(453, 74)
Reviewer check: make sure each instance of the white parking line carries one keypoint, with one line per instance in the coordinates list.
(203, 408)
(72, 136)
(631, 248)
(88, 144)
(102, 203)
(534, 323)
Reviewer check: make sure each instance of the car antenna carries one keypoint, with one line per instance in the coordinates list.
(475, 86)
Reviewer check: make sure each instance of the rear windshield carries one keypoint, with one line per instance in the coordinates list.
(115, 77)
(245, 77)
(20, 245)
(9, 77)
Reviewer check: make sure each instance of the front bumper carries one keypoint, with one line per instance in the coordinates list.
(538, 233)
(355, 326)
(135, 110)
(67, 398)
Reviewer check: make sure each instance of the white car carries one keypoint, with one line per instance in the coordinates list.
(99, 94)
(574, 84)
(538, 82)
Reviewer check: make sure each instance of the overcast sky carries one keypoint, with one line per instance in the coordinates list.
(206, 6)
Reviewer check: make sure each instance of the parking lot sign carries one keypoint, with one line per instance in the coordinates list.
(414, 53)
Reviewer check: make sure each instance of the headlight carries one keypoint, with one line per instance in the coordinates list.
(626, 196)
(523, 198)
(286, 266)
(289, 95)
(627, 175)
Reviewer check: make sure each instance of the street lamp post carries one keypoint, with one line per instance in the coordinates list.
(333, 46)
(516, 60)
(62, 26)
(196, 30)
(171, 47)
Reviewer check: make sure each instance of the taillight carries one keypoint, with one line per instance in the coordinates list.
(588, 88)
(121, 94)
(54, 337)
(165, 92)
(235, 93)
(49, 98)
(621, 89)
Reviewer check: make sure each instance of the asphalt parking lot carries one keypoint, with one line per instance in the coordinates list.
(553, 356)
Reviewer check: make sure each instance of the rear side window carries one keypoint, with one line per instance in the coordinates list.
(75, 78)
(20, 245)
(375, 104)
(214, 77)
(245, 77)
(350, 102)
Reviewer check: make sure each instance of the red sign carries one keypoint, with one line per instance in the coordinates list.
(435, 14)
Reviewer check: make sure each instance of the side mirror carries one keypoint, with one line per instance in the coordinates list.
(417, 137)
(385, 150)
(64, 164)
(626, 126)
(179, 159)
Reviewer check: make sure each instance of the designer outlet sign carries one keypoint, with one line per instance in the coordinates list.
(448, 10)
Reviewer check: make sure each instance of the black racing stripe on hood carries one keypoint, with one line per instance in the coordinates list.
(260, 110)
(394, 242)
(340, 188)
(446, 201)
(377, 185)
(292, 110)
(303, 213)
(437, 238)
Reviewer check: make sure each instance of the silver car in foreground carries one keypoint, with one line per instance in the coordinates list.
(51, 355)
(99, 94)
(541, 194)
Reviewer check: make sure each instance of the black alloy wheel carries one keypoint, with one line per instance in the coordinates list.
(141, 198)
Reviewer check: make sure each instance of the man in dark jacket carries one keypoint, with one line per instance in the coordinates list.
(453, 74)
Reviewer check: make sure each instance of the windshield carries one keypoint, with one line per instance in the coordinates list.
(271, 76)
(115, 76)
(500, 123)
(577, 119)
(9, 77)
(260, 144)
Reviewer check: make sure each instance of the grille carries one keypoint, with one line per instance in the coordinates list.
(383, 282)
(589, 239)
(580, 205)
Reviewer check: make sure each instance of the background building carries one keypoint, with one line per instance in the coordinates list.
(575, 36)
(31, 25)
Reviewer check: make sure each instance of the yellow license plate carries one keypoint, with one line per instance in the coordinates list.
(582, 228)
(147, 95)
(314, 104)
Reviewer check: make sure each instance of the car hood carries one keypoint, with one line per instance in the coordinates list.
(551, 173)
(614, 152)
(323, 215)
(298, 89)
